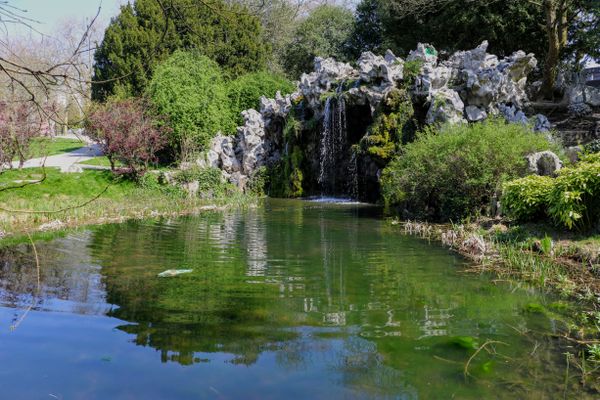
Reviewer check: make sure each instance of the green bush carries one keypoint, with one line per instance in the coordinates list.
(527, 198)
(571, 200)
(245, 92)
(575, 199)
(454, 171)
(210, 181)
(190, 90)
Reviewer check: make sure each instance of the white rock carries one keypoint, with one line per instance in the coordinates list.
(592, 96)
(544, 163)
(388, 69)
(424, 52)
(475, 113)
(446, 106)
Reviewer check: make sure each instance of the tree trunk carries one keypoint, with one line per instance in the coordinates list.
(554, 47)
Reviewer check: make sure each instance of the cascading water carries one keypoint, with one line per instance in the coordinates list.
(353, 176)
(333, 144)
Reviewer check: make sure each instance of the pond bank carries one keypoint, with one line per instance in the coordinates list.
(32, 200)
(562, 262)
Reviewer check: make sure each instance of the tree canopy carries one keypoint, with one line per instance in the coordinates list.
(146, 33)
(189, 89)
(324, 33)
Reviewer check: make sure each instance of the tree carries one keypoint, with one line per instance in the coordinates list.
(452, 26)
(367, 33)
(20, 122)
(245, 92)
(508, 24)
(189, 88)
(148, 31)
(324, 33)
(127, 133)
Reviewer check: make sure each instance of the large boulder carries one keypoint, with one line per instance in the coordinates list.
(446, 106)
(280, 106)
(385, 70)
(544, 163)
(251, 145)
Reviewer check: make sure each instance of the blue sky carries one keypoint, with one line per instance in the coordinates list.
(51, 12)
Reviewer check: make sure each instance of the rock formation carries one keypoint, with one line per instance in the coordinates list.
(469, 86)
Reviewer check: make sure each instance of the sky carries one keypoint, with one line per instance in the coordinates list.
(50, 13)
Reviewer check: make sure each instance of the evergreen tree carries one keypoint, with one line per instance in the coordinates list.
(144, 34)
(367, 33)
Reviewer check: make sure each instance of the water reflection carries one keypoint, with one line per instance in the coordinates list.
(300, 293)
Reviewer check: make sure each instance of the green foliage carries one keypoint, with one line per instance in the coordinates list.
(292, 127)
(210, 181)
(506, 25)
(286, 177)
(394, 126)
(411, 71)
(258, 182)
(571, 200)
(144, 34)
(575, 199)
(526, 199)
(324, 33)
(454, 171)
(190, 90)
(367, 31)
(465, 342)
(245, 92)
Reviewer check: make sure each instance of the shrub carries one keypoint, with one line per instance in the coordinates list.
(454, 171)
(190, 90)
(527, 198)
(575, 199)
(571, 200)
(210, 181)
(245, 92)
(128, 133)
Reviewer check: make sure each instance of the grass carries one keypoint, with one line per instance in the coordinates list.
(101, 162)
(41, 147)
(120, 199)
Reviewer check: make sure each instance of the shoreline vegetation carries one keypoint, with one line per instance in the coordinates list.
(44, 200)
(562, 263)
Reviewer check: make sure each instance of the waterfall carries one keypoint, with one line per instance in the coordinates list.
(353, 176)
(333, 143)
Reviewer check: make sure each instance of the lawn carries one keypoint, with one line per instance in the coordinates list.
(44, 146)
(66, 197)
(101, 162)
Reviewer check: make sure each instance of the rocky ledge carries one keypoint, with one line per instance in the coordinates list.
(468, 86)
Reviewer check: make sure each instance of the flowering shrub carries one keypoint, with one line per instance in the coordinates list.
(128, 133)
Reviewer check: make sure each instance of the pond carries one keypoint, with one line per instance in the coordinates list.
(290, 300)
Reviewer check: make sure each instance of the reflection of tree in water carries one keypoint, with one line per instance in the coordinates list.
(312, 286)
(69, 281)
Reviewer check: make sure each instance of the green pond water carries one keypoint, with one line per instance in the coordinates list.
(290, 300)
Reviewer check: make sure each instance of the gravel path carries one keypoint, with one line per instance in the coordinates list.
(65, 161)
